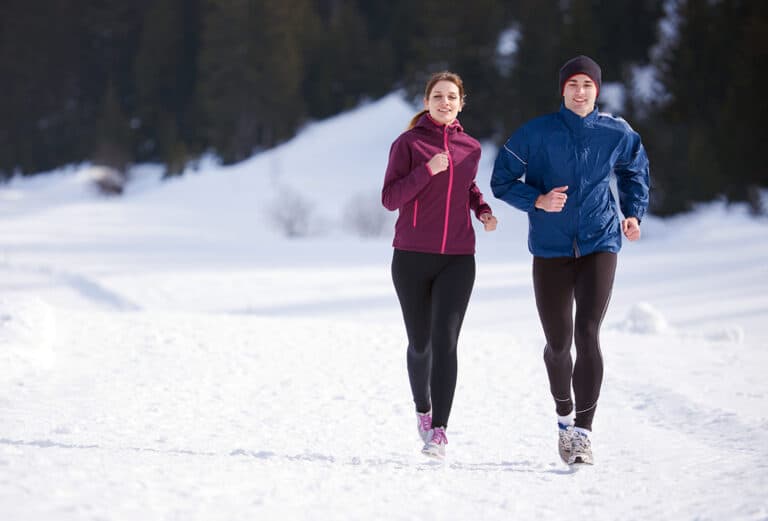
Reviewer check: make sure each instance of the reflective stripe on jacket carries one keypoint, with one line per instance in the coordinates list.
(434, 211)
(564, 149)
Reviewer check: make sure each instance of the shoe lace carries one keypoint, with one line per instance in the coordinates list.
(425, 421)
(439, 436)
(580, 442)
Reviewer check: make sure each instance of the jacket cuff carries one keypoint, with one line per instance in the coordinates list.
(483, 209)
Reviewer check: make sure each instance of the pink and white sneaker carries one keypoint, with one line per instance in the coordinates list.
(424, 424)
(435, 447)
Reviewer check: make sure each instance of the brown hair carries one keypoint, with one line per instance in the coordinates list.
(436, 77)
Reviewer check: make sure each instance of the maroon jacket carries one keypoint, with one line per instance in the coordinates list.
(434, 210)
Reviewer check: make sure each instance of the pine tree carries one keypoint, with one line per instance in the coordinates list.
(534, 84)
(251, 72)
(616, 34)
(165, 82)
(461, 37)
(113, 144)
(716, 105)
(745, 105)
(343, 63)
(41, 107)
(109, 32)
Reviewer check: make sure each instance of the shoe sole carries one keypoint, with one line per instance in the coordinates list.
(580, 461)
(433, 453)
(430, 455)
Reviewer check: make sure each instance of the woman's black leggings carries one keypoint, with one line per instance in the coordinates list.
(434, 292)
(558, 282)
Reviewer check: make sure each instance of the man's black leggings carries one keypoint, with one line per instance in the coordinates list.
(558, 282)
(434, 292)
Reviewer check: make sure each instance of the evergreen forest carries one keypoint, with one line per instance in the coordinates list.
(118, 82)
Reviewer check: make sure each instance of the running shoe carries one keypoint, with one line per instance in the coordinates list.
(581, 449)
(436, 445)
(424, 424)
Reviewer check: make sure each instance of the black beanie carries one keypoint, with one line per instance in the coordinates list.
(580, 65)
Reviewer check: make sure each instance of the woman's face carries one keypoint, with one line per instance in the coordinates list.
(579, 94)
(444, 102)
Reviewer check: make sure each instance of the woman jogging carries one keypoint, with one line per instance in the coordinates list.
(557, 168)
(430, 180)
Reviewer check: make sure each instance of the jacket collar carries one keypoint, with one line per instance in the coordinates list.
(430, 124)
(576, 122)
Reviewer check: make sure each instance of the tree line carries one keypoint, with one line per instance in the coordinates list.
(167, 81)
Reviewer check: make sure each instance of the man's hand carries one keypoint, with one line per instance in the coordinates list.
(554, 201)
(631, 228)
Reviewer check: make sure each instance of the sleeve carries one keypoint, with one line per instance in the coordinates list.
(510, 166)
(632, 177)
(401, 183)
(476, 201)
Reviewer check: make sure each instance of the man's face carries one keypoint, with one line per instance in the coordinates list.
(579, 94)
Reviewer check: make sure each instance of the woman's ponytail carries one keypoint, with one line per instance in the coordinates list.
(416, 119)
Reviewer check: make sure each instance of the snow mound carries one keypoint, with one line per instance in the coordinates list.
(27, 332)
(734, 334)
(644, 319)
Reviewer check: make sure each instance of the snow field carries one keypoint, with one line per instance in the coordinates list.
(171, 355)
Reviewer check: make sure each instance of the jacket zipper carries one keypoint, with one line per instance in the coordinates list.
(450, 188)
(577, 195)
(415, 212)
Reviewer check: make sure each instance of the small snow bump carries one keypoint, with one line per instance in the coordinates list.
(733, 334)
(643, 318)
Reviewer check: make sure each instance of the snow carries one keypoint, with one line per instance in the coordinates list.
(646, 86)
(173, 354)
(612, 97)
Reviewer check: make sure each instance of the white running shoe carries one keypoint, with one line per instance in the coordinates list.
(581, 449)
(436, 445)
(564, 441)
(424, 424)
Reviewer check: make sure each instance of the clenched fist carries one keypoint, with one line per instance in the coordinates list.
(438, 163)
(489, 221)
(553, 201)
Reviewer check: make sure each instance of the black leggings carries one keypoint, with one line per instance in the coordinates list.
(558, 282)
(434, 292)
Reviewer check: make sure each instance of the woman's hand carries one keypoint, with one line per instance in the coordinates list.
(489, 221)
(553, 201)
(438, 163)
(631, 228)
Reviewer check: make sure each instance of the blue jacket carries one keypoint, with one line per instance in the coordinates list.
(561, 149)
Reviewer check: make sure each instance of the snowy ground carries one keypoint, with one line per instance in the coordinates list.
(170, 355)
